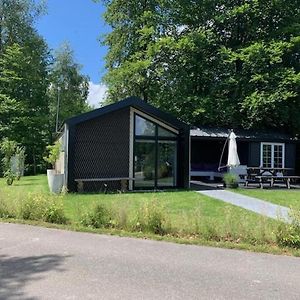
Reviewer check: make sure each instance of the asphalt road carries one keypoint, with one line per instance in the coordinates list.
(39, 263)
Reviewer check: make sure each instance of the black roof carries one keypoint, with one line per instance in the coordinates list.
(242, 134)
(129, 102)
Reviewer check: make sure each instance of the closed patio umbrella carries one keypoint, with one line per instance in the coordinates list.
(233, 157)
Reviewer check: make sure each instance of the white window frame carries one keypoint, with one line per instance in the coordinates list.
(272, 153)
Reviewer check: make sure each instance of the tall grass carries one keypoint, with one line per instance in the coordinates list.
(36, 206)
(159, 216)
(153, 217)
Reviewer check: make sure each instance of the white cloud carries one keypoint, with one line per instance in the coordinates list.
(97, 93)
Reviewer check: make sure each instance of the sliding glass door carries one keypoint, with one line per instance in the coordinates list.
(166, 163)
(155, 155)
(144, 165)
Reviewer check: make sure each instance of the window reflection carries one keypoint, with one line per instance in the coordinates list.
(165, 133)
(144, 165)
(144, 127)
(166, 168)
(155, 155)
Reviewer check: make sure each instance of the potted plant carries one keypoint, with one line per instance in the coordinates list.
(230, 180)
(55, 180)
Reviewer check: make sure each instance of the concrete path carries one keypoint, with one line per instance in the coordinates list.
(40, 263)
(256, 205)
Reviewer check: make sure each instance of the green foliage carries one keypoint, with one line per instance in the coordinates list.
(288, 235)
(151, 218)
(9, 176)
(7, 210)
(53, 153)
(68, 85)
(99, 217)
(23, 104)
(184, 215)
(40, 207)
(230, 180)
(231, 63)
(29, 80)
(54, 213)
(8, 149)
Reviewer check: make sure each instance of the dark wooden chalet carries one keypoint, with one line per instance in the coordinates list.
(126, 145)
(255, 148)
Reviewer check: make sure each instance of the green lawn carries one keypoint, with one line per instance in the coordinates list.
(191, 216)
(289, 198)
(178, 204)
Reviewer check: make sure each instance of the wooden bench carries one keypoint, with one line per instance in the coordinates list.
(273, 179)
(123, 180)
(210, 174)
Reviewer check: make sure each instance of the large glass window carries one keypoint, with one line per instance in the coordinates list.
(155, 155)
(144, 165)
(272, 155)
(144, 127)
(167, 159)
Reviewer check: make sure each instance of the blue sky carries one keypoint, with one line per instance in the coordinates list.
(80, 23)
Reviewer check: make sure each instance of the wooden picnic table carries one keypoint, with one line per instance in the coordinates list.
(273, 179)
(262, 170)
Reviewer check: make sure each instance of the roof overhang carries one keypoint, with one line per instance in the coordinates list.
(129, 102)
(219, 134)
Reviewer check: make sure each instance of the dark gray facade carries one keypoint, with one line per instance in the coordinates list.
(207, 146)
(101, 146)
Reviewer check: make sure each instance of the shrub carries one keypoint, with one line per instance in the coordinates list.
(53, 153)
(99, 217)
(6, 210)
(54, 213)
(32, 207)
(41, 207)
(151, 218)
(8, 149)
(288, 235)
(230, 180)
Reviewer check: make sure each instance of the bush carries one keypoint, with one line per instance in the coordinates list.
(151, 218)
(53, 153)
(230, 180)
(54, 213)
(6, 210)
(40, 207)
(99, 217)
(288, 235)
(32, 207)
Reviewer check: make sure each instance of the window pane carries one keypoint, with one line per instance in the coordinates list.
(144, 127)
(166, 165)
(144, 164)
(267, 156)
(165, 133)
(278, 156)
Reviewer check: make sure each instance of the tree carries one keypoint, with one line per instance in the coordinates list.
(68, 86)
(24, 59)
(23, 99)
(136, 25)
(17, 19)
(231, 63)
